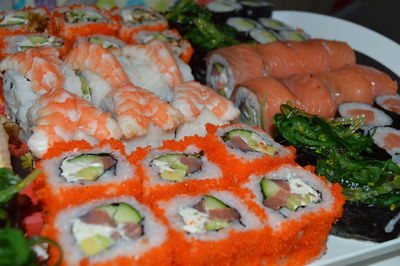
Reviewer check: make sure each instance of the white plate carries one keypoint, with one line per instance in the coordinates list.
(387, 52)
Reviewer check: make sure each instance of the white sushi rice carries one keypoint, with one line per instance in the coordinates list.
(99, 88)
(250, 155)
(209, 170)
(155, 233)
(381, 119)
(248, 220)
(379, 139)
(275, 219)
(123, 169)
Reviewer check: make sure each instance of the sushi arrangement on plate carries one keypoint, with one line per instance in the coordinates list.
(141, 163)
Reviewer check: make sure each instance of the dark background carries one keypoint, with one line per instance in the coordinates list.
(382, 16)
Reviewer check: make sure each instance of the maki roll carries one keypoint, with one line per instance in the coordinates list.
(213, 228)
(388, 139)
(27, 20)
(373, 116)
(181, 47)
(117, 230)
(273, 24)
(20, 42)
(71, 22)
(390, 104)
(72, 174)
(167, 170)
(134, 19)
(262, 36)
(223, 10)
(243, 26)
(256, 8)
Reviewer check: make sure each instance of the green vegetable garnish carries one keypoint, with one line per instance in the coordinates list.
(342, 155)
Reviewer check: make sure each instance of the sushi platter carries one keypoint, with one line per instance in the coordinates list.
(206, 133)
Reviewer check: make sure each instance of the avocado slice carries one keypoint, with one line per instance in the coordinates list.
(212, 203)
(90, 173)
(269, 188)
(216, 224)
(38, 39)
(171, 168)
(127, 214)
(21, 14)
(95, 244)
(293, 202)
(85, 88)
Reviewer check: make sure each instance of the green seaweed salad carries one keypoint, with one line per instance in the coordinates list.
(15, 248)
(343, 154)
(195, 23)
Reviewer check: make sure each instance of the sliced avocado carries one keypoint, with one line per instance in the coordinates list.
(127, 214)
(110, 209)
(246, 23)
(219, 67)
(24, 47)
(96, 40)
(84, 158)
(269, 188)
(77, 13)
(252, 140)
(171, 168)
(85, 88)
(216, 224)
(212, 203)
(90, 173)
(13, 22)
(95, 244)
(293, 202)
(21, 14)
(38, 39)
(160, 37)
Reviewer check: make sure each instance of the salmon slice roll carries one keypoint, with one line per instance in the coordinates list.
(135, 108)
(382, 83)
(260, 99)
(230, 66)
(191, 97)
(340, 53)
(134, 19)
(390, 103)
(312, 94)
(388, 139)
(348, 85)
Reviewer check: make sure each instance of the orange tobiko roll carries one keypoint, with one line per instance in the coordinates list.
(134, 19)
(74, 172)
(71, 22)
(179, 167)
(108, 231)
(26, 20)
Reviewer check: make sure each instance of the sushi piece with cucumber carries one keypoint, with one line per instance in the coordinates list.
(264, 36)
(249, 143)
(208, 225)
(106, 41)
(243, 26)
(223, 10)
(256, 8)
(113, 230)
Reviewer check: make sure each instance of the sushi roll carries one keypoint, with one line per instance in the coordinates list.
(262, 36)
(166, 171)
(75, 171)
(71, 22)
(181, 47)
(256, 8)
(214, 227)
(117, 230)
(373, 116)
(390, 104)
(27, 20)
(223, 10)
(243, 26)
(230, 66)
(134, 19)
(388, 139)
(300, 206)
(20, 42)
(273, 24)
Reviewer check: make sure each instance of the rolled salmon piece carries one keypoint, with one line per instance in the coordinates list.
(287, 58)
(260, 99)
(314, 96)
(230, 66)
